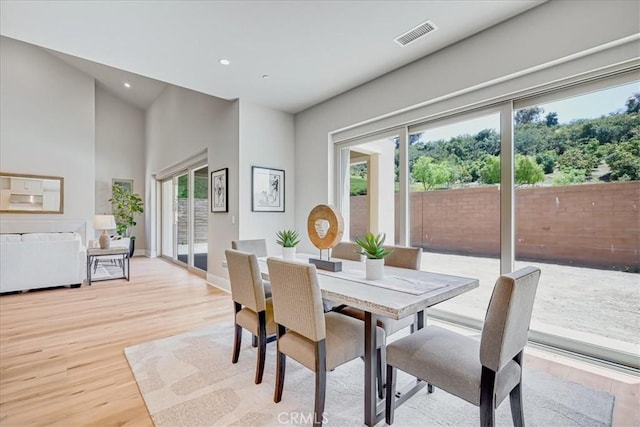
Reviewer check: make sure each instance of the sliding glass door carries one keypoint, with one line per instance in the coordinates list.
(185, 208)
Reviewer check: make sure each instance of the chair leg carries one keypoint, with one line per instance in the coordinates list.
(237, 340)
(391, 394)
(515, 397)
(515, 400)
(382, 365)
(487, 398)
(321, 382)
(254, 341)
(262, 346)
(281, 364)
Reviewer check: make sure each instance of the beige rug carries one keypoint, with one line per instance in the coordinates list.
(189, 380)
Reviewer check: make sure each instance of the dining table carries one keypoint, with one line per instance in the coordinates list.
(400, 293)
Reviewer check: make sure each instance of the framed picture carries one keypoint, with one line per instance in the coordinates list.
(267, 189)
(127, 184)
(220, 190)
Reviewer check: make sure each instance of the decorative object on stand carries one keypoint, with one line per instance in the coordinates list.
(375, 253)
(288, 239)
(267, 189)
(104, 223)
(325, 227)
(125, 204)
(220, 190)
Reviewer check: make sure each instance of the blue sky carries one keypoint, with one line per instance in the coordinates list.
(588, 106)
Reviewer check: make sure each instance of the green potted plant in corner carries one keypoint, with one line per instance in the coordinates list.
(125, 205)
(373, 250)
(288, 239)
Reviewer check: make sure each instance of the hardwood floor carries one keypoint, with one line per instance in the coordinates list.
(62, 360)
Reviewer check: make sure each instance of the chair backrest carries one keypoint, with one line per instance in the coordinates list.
(297, 300)
(346, 250)
(404, 257)
(506, 324)
(255, 246)
(247, 287)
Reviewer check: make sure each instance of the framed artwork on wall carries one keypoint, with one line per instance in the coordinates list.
(267, 189)
(220, 190)
(126, 184)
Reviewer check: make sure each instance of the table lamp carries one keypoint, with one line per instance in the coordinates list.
(104, 223)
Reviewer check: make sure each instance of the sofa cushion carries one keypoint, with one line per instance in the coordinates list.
(42, 237)
(16, 238)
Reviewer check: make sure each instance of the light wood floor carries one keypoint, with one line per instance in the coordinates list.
(62, 360)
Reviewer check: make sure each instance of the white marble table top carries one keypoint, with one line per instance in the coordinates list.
(347, 287)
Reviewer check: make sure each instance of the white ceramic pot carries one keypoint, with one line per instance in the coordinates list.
(374, 269)
(289, 253)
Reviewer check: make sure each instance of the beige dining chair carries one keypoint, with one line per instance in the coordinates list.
(403, 257)
(320, 341)
(252, 311)
(253, 246)
(346, 250)
(481, 372)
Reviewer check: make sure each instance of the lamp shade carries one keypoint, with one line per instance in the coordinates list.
(104, 222)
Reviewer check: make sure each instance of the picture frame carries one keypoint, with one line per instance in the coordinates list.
(267, 189)
(127, 184)
(220, 190)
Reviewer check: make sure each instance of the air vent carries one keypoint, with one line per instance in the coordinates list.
(416, 33)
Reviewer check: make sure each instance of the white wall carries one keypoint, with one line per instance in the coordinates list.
(47, 125)
(119, 153)
(180, 124)
(266, 140)
(550, 32)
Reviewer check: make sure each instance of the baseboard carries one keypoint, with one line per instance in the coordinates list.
(218, 282)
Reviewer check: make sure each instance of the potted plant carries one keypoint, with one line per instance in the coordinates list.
(288, 239)
(374, 252)
(125, 205)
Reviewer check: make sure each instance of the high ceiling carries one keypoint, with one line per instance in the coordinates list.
(310, 50)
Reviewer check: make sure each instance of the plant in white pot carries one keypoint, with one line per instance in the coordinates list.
(288, 239)
(374, 252)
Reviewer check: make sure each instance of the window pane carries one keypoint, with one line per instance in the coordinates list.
(577, 214)
(200, 217)
(455, 205)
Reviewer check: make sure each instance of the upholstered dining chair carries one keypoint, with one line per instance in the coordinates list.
(320, 341)
(253, 246)
(403, 257)
(253, 311)
(481, 372)
(346, 250)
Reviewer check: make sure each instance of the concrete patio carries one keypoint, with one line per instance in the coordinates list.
(597, 306)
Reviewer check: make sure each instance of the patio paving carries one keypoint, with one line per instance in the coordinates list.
(598, 306)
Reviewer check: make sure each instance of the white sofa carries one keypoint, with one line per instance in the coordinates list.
(41, 260)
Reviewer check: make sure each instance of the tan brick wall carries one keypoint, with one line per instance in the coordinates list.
(590, 224)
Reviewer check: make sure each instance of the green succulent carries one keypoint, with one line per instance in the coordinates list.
(372, 246)
(287, 238)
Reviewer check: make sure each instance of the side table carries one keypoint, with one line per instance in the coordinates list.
(95, 253)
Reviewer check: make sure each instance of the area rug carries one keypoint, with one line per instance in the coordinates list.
(189, 380)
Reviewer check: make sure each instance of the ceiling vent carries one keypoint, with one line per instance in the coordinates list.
(416, 33)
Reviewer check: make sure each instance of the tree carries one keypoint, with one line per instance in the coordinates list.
(633, 103)
(430, 173)
(527, 171)
(490, 170)
(569, 176)
(551, 119)
(547, 160)
(528, 115)
(624, 161)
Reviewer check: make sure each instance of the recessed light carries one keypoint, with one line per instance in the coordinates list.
(225, 61)
(127, 85)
